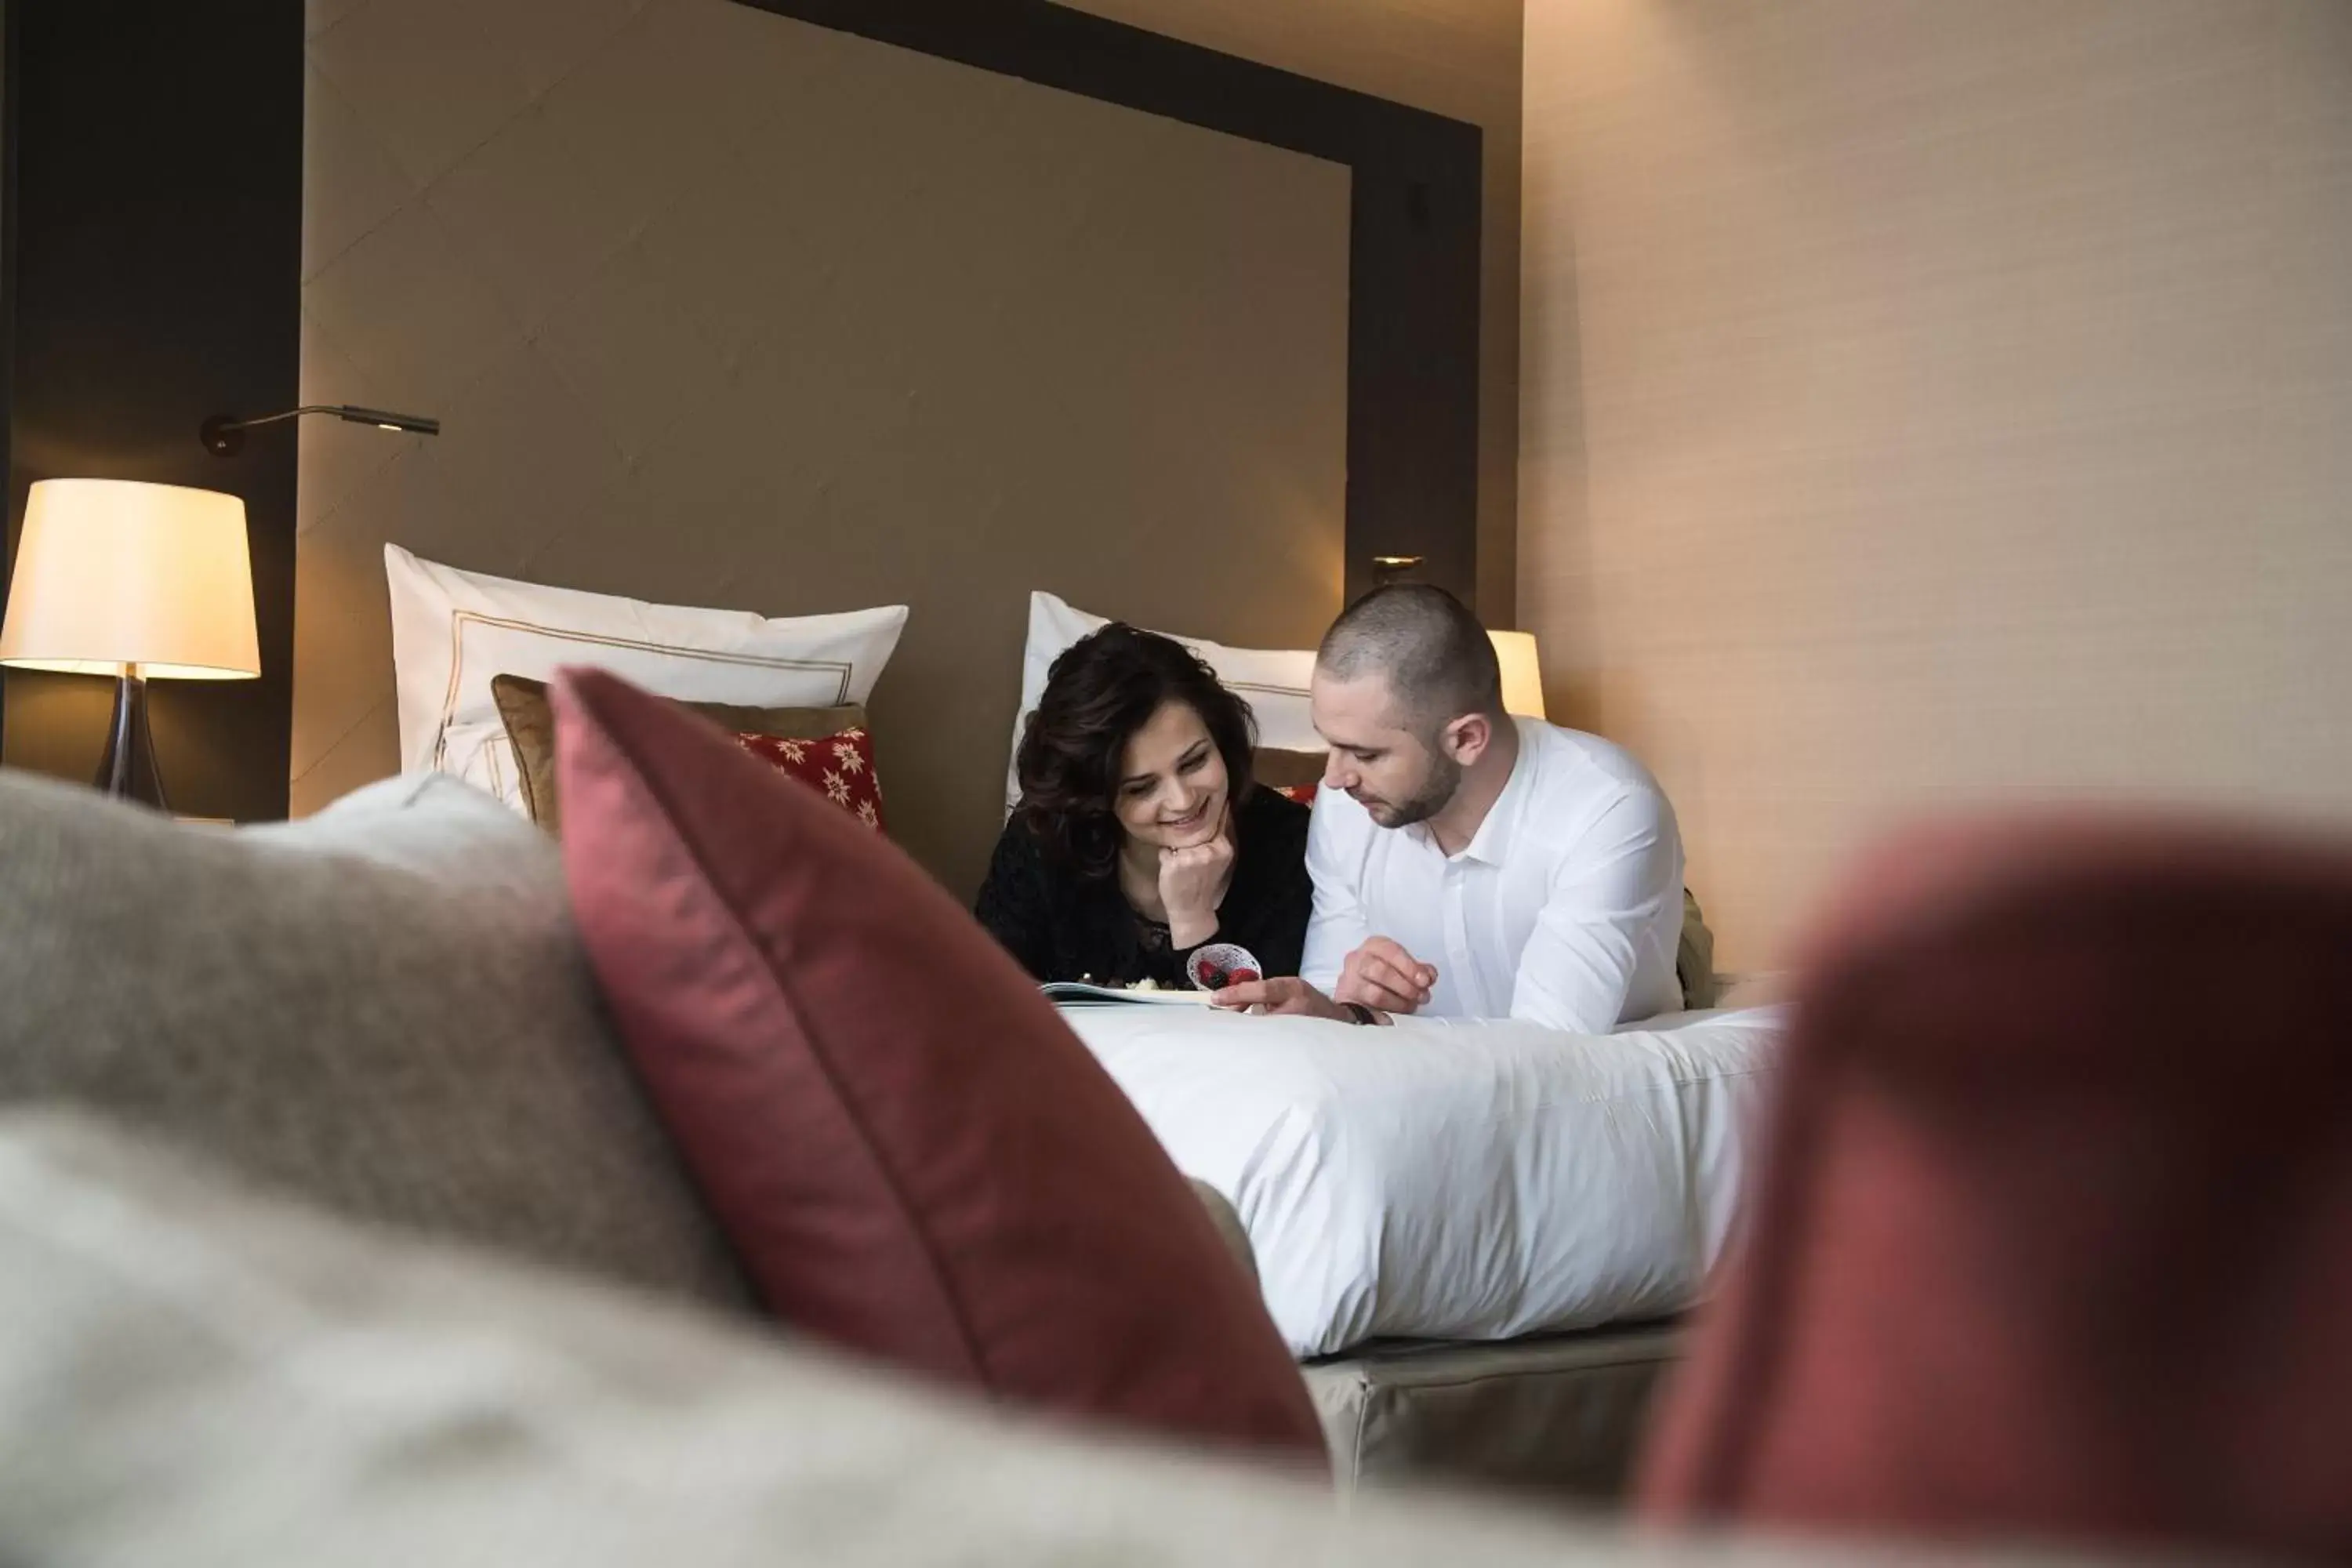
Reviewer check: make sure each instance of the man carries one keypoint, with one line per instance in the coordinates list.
(1467, 864)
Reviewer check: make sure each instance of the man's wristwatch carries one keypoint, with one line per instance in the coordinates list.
(1360, 1013)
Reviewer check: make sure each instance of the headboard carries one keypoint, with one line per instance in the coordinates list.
(718, 307)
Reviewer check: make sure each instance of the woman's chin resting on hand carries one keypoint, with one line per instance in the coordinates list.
(1141, 834)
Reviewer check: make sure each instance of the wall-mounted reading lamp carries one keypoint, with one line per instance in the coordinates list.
(225, 437)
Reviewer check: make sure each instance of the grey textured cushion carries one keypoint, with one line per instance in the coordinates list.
(189, 1375)
(385, 1006)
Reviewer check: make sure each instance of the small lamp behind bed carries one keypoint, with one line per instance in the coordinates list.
(137, 581)
(1522, 673)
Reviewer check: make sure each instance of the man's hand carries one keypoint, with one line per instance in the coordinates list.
(1286, 994)
(1382, 975)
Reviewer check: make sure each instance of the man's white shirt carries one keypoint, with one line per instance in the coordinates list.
(1565, 908)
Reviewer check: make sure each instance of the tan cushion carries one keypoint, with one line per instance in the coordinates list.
(531, 730)
(1695, 957)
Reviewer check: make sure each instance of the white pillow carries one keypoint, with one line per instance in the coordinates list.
(1273, 681)
(452, 631)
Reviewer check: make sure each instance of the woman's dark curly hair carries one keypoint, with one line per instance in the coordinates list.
(1099, 692)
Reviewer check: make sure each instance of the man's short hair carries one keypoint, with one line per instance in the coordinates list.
(1435, 657)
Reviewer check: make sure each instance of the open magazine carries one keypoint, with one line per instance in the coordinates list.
(1078, 994)
(1212, 967)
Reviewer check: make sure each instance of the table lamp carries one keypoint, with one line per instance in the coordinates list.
(1522, 673)
(137, 581)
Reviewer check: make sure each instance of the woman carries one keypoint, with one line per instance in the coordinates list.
(1140, 836)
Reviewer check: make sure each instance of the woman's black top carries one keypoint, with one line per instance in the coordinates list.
(1063, 926)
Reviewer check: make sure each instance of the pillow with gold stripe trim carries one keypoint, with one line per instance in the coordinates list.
(453, 630)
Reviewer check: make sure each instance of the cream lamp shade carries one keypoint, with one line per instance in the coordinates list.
(114, 577)
(1522, 673)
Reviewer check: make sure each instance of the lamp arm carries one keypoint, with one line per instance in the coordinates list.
(274, 418)
(224, 437)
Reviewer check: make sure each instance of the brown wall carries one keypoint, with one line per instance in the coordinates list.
(1928, 400)
(1456, 58)
(723, 309)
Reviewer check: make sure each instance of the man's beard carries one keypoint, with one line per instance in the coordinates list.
(1435, 791)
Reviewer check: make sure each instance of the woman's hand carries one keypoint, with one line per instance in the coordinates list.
(1192, 884)
(1286, 994)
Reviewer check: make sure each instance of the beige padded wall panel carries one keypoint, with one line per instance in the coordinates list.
(1929, 402)
(723, 309)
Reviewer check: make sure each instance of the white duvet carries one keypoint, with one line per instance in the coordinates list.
(1463, 1181)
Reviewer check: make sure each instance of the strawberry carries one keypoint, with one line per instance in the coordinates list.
(1211, 977)
(1240, 977)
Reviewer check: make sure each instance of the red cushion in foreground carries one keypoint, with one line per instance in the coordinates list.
(910, 1153)
(2053, 1237)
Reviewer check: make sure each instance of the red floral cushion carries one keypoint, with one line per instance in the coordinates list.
(839, 767)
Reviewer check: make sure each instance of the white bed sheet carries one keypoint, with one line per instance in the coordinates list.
(1463, 1181)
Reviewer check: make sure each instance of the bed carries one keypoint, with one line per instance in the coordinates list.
(1474, 1236)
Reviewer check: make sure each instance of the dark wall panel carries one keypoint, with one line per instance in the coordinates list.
(155, 192)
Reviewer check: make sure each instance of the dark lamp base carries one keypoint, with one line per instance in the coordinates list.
(128, 771)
